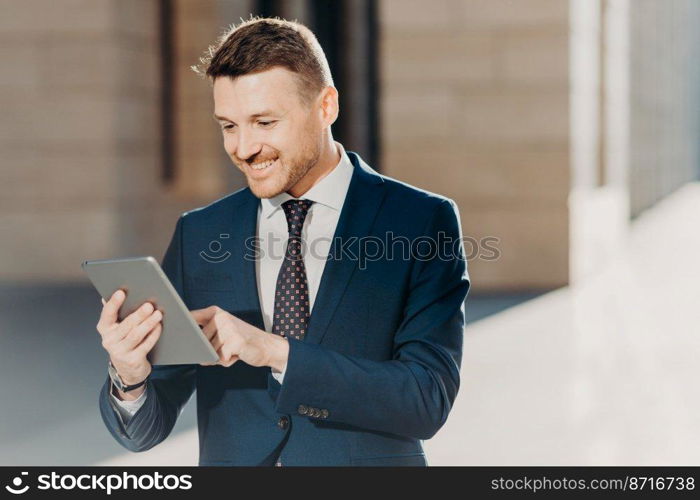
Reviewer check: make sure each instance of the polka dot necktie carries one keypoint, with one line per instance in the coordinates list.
(292, 291)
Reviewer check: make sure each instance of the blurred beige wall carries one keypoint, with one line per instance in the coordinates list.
(476, 107)
(550, 122)
(80, 132)
(79, 93)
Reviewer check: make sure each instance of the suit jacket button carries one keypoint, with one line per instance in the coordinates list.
(283, 422)
(316, 413)
(324, 413)
(303, 410)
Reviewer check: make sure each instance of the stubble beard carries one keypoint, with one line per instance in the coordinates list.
(290, 173)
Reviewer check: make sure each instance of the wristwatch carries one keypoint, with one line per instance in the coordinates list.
(117, 381)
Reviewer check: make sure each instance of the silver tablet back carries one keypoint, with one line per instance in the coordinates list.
(182, 340)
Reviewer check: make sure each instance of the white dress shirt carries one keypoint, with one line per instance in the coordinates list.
(328, 196)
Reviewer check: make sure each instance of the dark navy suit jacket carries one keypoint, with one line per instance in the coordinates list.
(381, 354)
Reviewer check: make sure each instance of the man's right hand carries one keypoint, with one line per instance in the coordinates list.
(129, 341)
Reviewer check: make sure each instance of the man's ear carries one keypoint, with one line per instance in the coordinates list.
(329, 107)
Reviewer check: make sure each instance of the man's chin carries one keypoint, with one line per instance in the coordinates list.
(265, 189)
(275, 184)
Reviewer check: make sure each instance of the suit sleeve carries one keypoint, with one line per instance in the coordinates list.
(412, 394)
(168, 388)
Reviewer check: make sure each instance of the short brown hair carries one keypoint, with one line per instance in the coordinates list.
(259, 44)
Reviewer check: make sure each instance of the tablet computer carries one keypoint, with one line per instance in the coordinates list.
(181, 340)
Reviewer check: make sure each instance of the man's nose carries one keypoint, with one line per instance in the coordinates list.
(247, 146)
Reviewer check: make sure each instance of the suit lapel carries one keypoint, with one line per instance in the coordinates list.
(362, 202)
(245, 220)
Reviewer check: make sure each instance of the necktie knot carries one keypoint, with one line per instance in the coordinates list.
(296, 211)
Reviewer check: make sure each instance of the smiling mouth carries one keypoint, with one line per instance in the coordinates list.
(262, 165)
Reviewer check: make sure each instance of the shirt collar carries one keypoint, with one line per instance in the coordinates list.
(329, 191)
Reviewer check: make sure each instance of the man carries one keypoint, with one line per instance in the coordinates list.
(332, 351)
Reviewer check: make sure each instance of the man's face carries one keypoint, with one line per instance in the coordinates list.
(271, 135)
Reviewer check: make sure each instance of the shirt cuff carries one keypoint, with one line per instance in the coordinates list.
(279, 376)
(127, 409)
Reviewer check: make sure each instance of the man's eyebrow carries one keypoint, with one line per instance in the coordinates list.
(267, 112)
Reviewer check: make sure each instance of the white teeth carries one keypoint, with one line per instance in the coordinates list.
(261, 165)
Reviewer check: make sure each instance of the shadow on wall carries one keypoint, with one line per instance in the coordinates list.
(483, 305)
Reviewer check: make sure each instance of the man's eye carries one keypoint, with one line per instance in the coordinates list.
(227, 127)
(266, 124)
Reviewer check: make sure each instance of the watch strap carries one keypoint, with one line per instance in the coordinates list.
(119, 384)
